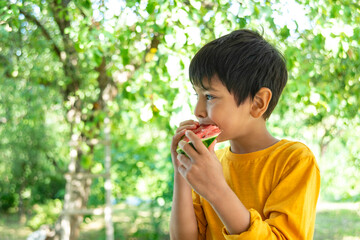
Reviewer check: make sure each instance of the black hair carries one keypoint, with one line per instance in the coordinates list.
(244, 62)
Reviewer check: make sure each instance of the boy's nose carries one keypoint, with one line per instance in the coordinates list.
(200, 109)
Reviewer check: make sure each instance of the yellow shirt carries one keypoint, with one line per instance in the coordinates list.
(278, 185)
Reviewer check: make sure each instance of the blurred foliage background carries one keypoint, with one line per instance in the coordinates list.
(67, 65)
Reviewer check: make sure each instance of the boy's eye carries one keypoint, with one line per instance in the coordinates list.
(209, 97)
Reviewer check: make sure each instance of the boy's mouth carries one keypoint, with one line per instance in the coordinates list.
(207, 123)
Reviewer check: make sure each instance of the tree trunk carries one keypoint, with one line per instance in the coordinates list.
(77, 187)
(108, 186)
(76, 193)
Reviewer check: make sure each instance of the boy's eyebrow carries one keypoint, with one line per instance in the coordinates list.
(205, 89)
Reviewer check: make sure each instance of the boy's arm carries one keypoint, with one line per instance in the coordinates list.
(236, 218)
(203, 172)
(183, 223)
(290, 209)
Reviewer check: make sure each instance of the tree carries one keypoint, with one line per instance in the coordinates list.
(75, 76)
(129, 61)
(27, 163)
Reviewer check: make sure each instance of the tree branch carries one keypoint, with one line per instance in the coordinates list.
(44, 31)
(70, 58)
(108, 88)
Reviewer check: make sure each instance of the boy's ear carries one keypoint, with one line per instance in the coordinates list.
(260, 102)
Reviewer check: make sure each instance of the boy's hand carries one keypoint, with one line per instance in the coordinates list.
(183, 224)
(186, 125)
(202, 169)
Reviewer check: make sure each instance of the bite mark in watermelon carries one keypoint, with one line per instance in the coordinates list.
(207, 134)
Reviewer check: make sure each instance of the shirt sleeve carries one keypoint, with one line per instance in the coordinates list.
(200, 216)
(290, 209)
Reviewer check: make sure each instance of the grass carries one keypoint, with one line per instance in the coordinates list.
(333, 222)
(11, 229)
(339, 221)
(337, 224)
(129, 223)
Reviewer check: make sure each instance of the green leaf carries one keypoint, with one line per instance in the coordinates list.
(242, 22)
(256, 11)
(284, 32)
(86, 4)
(86, 161)
(334, 12)
(319, 41)
(79, 47)
(125, 56)
(98, 56)
(150, 7)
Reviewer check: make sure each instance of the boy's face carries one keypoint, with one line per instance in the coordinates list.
(215, 105)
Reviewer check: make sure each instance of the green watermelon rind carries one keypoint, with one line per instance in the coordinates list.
(206, 141)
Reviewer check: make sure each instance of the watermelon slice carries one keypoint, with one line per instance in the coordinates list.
(207, 134)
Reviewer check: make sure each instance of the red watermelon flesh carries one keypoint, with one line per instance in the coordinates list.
(207, 134)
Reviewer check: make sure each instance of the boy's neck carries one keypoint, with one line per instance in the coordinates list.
(259, 139)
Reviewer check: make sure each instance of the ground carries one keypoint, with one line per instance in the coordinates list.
(334, 221)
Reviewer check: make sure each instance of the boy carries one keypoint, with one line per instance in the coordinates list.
(259, 187)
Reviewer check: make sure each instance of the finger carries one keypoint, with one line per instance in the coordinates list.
(176, 138)
(185, 161)
(188, 127)
(189, 122)
(196, 141)
(182, 170)
(188, 149)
